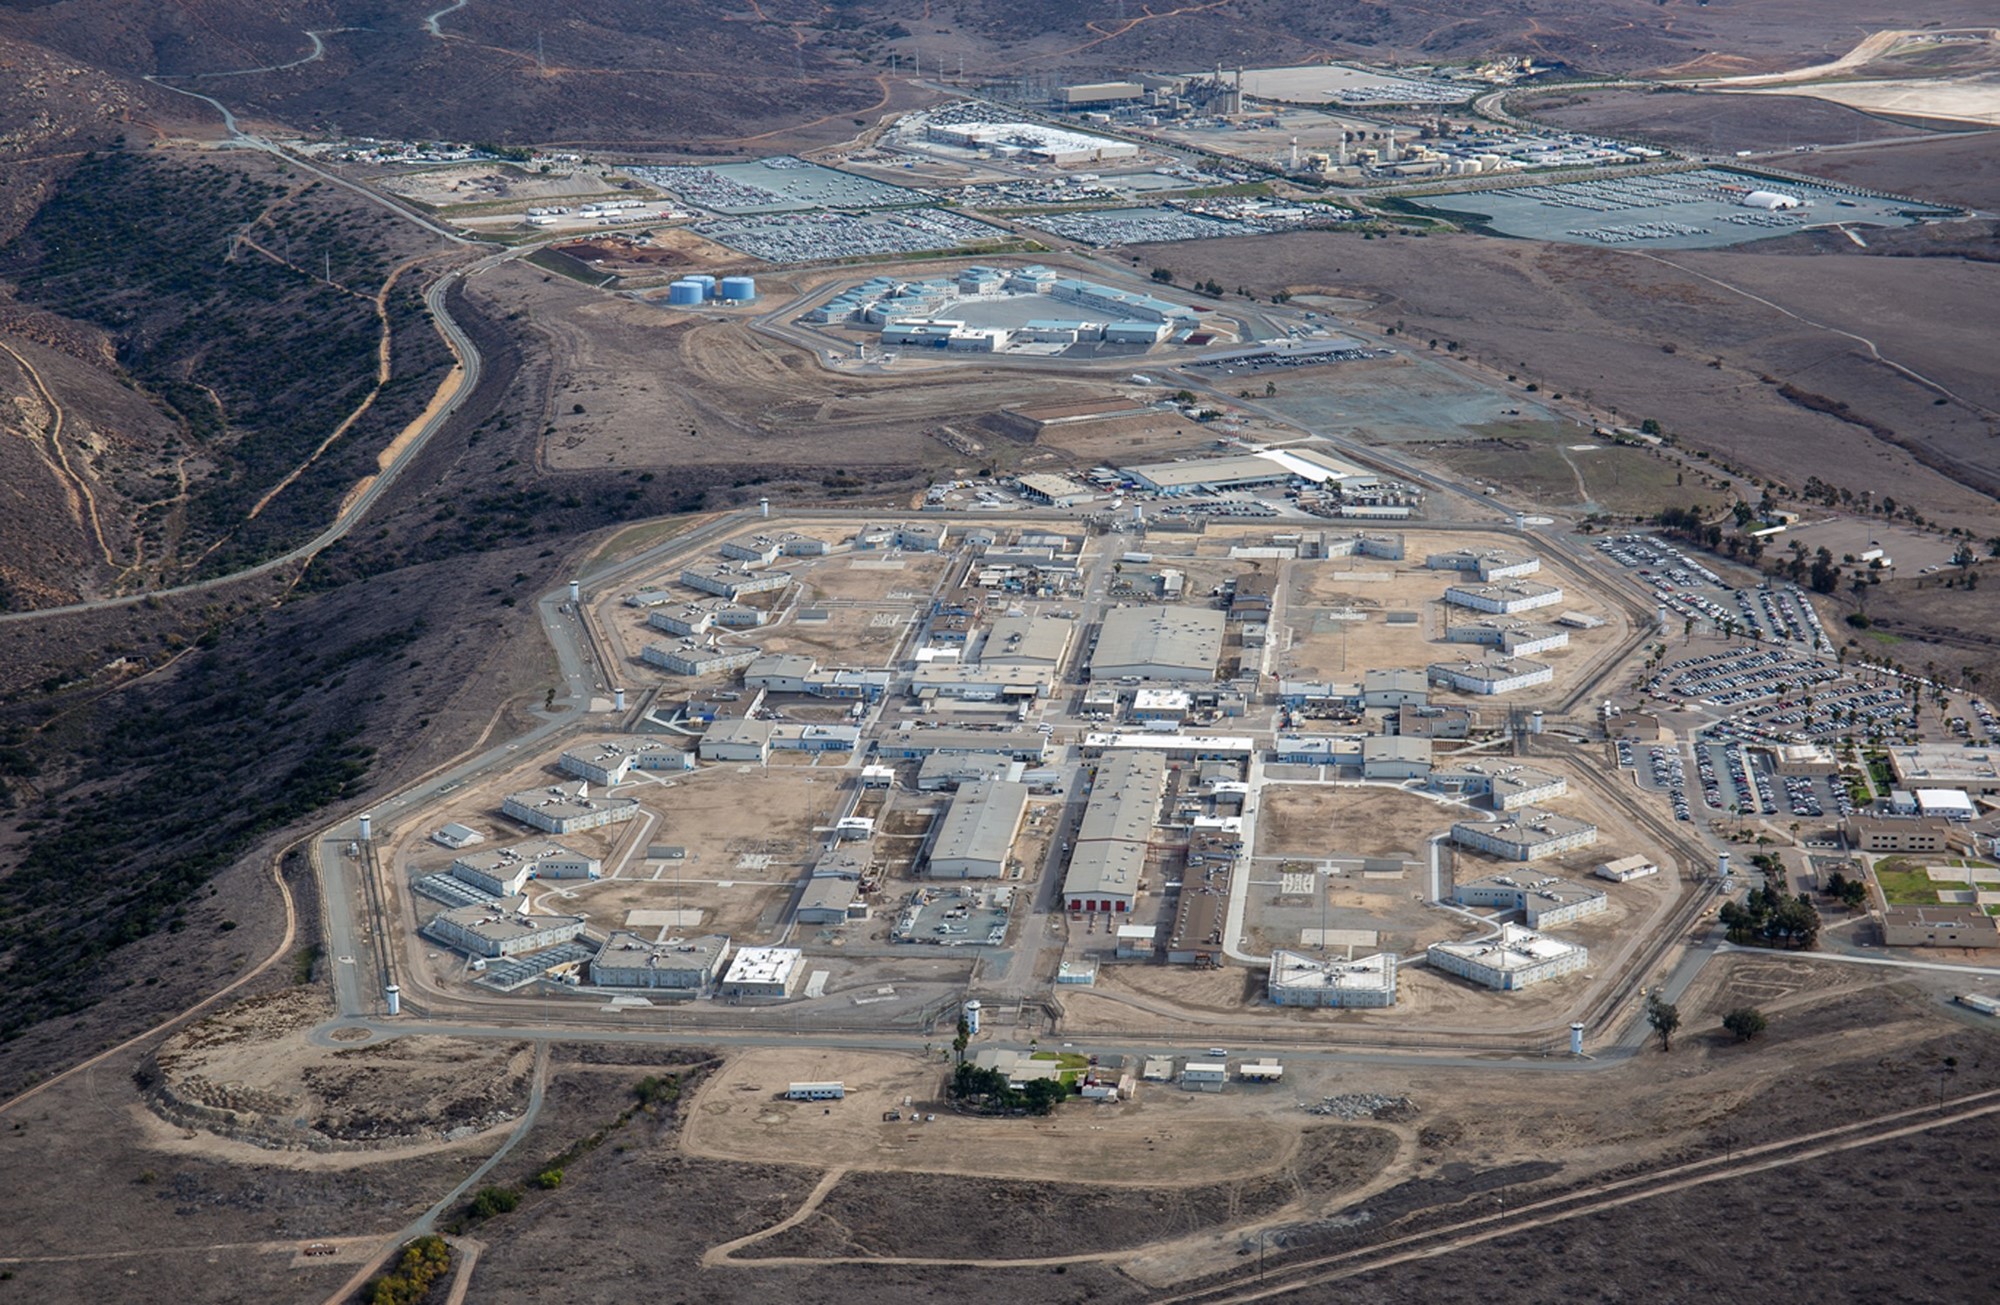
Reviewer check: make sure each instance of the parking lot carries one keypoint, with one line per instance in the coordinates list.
(1700, 209)
(812, 237)
(1773, 611)
(1134, 226)
(773, 185)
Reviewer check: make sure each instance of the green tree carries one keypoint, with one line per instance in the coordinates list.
(1163, 276)
(961, 1040)
(1665, 1017)
(494, 1200)
(1746, 1022)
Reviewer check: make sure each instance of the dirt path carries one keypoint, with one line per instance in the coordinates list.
(76, 490)
(722, 1253)
(1609, 1196)
(1862, 340)
(1874, 46)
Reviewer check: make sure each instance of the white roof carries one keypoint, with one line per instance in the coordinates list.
(1943, 799)
(763, 965)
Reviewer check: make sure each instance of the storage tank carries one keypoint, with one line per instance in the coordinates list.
(739, 289)
(683, 294)
(704, 280)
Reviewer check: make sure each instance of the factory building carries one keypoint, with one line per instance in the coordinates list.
(566, 808)
(1524, 835)
(830, 899)
(1436, 722)
(1096, 94)
(1518, 958)
(1394, 688)
(1514, 638)
(1030, 141)
(697, 661)
(1107, 866)
(609, 761)
(1170, 745)
(781, 673)
(1158, 643)
(1489, 564)
(1392, 757)
(1543, 902)
(738, 739)
(503, 928)
(764, 973)
(985, 682)
(1297, 979)
(1493, 677)
(1053, 490)
(702, 615)
(1506, 786)
(948, 771)
(1266, 467)
(726, 581)
(976, 837)
(1027, 641)
(1504, 599)
(916, 744)
(504, 871)
(684, 965)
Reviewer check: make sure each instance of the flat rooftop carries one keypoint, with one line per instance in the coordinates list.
(1291, 969)
(1547, 889)
(1527, 825)
(1515, 949)
(764, 965)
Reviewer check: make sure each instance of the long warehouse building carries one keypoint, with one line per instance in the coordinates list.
(979, 829)
(1158, 643)
(1106, 868)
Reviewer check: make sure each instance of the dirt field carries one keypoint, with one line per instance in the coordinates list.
(1696, 354)
(1712, 122)
(1958, 169)
(1312, 820)
(247, 1078)
(738, 1116)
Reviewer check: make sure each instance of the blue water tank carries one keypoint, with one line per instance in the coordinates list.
(704, 280)
(685, 293)
(739, 288)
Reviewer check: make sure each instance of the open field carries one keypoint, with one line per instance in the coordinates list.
(1959, 169)
(1313, 821)
(1550, 466)
(1670, 337)
(1711, 122)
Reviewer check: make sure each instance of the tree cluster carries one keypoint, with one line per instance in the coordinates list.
(1771, 918)
(422, 1263)
(1746, 1022)
(1851, 893)
(1037, 1096)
